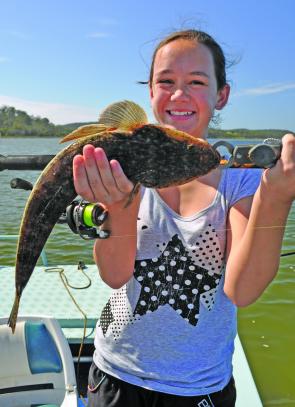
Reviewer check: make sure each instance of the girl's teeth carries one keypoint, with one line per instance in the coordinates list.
(172, 112)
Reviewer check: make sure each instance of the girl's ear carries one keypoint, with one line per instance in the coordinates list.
(222, 97)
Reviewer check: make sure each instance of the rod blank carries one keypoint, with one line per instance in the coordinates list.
(24, 162)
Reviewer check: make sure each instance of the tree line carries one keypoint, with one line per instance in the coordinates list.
(17, 123)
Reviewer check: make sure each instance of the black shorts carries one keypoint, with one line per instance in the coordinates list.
(107, 391)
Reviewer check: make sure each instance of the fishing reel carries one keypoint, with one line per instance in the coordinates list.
(85, 219)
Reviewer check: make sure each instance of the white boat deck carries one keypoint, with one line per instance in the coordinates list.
(45, 294)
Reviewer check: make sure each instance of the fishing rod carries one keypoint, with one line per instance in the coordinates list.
(24, 162)
(262, 155)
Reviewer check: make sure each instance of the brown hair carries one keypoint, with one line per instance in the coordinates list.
(202, 38)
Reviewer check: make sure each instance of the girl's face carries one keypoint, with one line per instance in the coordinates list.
(184, 88)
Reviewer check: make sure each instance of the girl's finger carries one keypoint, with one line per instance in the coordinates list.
(122, 182)
(288, 149)
(81, 184)
(281, 178)
(96, 184)
(107, 177)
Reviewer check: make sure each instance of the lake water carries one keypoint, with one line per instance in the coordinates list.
(266, 328)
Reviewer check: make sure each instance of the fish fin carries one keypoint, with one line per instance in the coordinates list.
(132, 194)
(182, 136)
(13, 315)
(84, 131)
(124, 116)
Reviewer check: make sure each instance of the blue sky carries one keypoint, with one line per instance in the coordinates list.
(68, 59)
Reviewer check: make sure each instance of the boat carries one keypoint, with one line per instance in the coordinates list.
(58, 311)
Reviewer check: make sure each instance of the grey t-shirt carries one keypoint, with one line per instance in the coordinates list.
(171, 328)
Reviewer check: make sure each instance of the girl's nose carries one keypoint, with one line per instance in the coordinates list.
(179, 94)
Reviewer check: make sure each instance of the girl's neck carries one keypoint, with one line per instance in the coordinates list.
(194, 196)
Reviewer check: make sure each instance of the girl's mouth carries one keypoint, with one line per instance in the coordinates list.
(180, 114)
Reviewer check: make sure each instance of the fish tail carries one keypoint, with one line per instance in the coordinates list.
(13, 315)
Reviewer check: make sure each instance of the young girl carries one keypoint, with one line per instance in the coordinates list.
(166, 335)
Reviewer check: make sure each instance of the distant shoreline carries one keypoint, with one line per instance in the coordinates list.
(221, 135)
(18, 124)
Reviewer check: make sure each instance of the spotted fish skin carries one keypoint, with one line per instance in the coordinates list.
(149, 156)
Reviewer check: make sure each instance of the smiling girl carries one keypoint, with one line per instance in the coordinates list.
(182, 258)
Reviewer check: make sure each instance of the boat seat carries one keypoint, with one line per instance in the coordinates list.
(36, 365)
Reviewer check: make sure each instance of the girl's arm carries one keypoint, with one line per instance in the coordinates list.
(256, 230)
(115, 256)
(97, 180)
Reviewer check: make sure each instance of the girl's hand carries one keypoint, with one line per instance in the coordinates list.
(280, 180)
(98, 180)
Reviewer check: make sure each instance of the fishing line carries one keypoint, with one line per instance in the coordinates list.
(287, 254)
(223, 230)
(215, 230)
(66, 284)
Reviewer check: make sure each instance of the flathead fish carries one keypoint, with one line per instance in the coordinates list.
(151, 155)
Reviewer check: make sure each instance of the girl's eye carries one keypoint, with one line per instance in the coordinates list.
(196, 82)
(168, 81)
